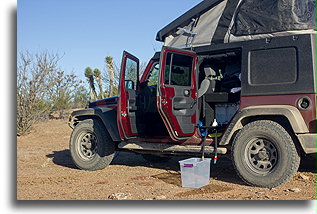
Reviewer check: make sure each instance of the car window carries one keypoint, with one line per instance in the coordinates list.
(131, 74)
(154, 75)
(178, 69)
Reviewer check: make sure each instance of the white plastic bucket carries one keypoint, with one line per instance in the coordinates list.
(195, 172)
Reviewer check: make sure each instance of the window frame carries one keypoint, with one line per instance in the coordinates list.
(170, 68)
(150, 73)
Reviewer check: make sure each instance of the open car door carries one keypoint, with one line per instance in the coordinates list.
(128, 85)
(177, 99)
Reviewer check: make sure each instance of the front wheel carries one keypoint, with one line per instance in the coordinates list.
(91, 147)
(264, 154)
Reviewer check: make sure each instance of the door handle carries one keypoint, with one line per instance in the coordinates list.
(193, 103)
(181, 106)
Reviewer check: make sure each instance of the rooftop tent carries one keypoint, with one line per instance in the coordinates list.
(223, 21)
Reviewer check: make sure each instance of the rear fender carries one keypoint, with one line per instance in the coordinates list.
(108, 117)
(290, 112)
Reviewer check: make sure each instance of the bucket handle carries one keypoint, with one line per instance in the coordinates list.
(188, 165)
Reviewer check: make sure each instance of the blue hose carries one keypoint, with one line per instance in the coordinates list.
(202, 130)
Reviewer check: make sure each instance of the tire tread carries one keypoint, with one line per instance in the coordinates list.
(269, 126)
(108, 144)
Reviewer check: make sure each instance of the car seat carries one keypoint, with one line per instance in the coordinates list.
(207, 86)
(209, 83)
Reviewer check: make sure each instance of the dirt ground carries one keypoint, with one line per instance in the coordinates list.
(45, 172)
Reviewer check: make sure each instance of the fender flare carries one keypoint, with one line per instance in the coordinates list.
(290, 112)
(108, 117)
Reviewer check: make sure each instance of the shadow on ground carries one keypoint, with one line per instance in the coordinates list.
(62, 158)
(222, 171)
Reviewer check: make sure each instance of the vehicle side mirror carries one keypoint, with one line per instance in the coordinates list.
(129, 84)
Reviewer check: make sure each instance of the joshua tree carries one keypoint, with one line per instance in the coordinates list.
(98, 77)
(90, 78)
(110, 66)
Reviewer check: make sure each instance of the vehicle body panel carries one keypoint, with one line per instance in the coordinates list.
(108, 116)
(126, 100)
(111, 102)
(308, 115)
(177, 110)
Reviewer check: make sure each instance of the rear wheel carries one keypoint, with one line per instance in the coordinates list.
(91, 147)
(264, 154)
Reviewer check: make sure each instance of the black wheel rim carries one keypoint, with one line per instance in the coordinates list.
(87, 145)
(261, 155)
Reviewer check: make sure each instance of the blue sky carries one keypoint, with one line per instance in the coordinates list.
(85, 31)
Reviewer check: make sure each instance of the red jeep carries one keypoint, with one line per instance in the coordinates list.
(261, 93)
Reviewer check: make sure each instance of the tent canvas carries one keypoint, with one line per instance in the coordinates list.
(224, 21)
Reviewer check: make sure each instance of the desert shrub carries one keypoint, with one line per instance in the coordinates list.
(34, 79)
(80, 97)
(43, 88)
(66, 93)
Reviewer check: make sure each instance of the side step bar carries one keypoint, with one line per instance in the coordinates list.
(168, 147)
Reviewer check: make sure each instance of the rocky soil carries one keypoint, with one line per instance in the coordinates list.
(45, 172)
